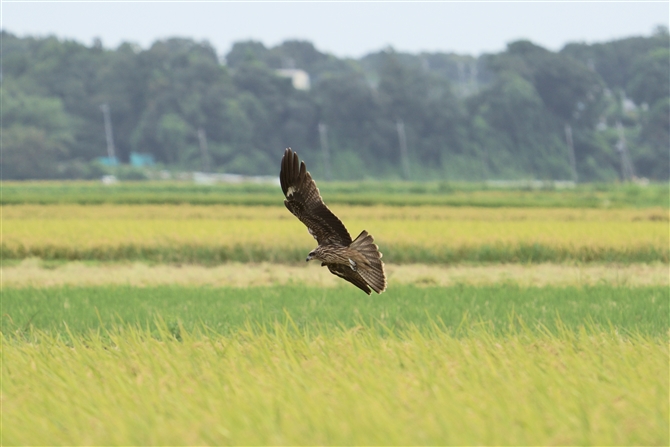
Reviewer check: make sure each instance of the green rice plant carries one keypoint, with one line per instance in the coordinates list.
(77, 310)
(335, 386)
(351, 193)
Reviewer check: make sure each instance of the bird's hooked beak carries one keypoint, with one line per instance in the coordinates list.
(309, 257)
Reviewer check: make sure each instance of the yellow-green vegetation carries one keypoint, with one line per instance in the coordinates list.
(163, 332)
(215, 234)
(335, 387)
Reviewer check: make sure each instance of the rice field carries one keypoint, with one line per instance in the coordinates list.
(364, 193)
(76, 311)
(175, 324)
(303, 365)
(212, 235)
(336, 387)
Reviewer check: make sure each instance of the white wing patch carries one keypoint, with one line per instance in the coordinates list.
(311, 232)
(290, 191)
(352, 264)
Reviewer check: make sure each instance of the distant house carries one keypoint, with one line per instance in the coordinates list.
(299, 78)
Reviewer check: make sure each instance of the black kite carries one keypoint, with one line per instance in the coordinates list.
(358, 261)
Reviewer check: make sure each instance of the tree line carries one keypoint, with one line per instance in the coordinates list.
(525, 112)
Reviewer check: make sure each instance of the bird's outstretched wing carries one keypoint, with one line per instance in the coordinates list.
(304, 201)
(345, 272)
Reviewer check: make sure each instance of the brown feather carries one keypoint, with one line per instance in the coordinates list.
(345, 272)
(303, 199)
(373, 270)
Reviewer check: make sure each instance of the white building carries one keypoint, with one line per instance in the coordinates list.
(299, 78)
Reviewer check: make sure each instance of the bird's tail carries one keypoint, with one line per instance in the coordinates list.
(372, 270)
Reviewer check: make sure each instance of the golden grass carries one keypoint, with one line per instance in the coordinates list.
(407, 234)
(33, 273)
(423, 233)
(336, 387)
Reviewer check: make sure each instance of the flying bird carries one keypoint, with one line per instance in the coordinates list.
(358, 261)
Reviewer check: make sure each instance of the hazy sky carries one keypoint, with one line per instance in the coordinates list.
(343, 29)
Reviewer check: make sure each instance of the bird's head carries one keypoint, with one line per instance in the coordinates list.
(311, 255)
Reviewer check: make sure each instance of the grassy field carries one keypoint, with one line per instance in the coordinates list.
(300, 365)
(350, 193)
(534, 325)
(343, 387)
(212, 235)
(78, 310)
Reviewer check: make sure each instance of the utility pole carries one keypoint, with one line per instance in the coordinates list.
(473, 85)
(463, 86)
(204, 150)
(108, 131)
(402, 138)
(627, 171)
(483, 159)
(323, 135)
(571, 151)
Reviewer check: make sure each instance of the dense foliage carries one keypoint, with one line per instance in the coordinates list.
(499, 115)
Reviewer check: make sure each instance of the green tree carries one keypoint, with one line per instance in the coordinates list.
(652, 157)
(651, 81)
(281, 115)
(36, 135)
(122, 84)
(68, 70)
(518, 129)
(187, 89)
(432, 114)
(499, 115)
(570, 90)
(615, 61)
(249, 52)
(355, 119)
